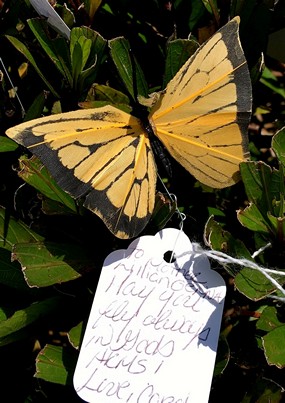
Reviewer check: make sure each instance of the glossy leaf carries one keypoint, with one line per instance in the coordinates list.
(13, 231)
(87, 49)
(268, 319)
(25, 317)
(178, 51)
(252, 219)
(164, 209)
(105, 93)
(249, 282)
(91, 7)
(7, 144)
(219, 239)
(278, 224)
(77, 62)
(212, 7)
(56, 364)
(35, 174)
(36, 109)
(67, 15)
(10, 272)
(274, 347)
(278, 145)
(253, 284)
(56, 49)
(270, 81)
(263, 390)
(262, 184)
(223, 356)
(48, 263)
(75, 335)
(128, 68)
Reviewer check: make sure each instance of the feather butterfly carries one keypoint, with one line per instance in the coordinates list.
(105, 154)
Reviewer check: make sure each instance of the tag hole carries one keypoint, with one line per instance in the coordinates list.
(169, 257)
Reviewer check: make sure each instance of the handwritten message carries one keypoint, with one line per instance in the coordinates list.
(153, 329)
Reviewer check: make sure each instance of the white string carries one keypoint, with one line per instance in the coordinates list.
(260, 250)
(173, 198)
(11, 83)
(223, 258)
(182, 216)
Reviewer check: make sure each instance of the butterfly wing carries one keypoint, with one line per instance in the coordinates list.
(202, 116)
(99, 154)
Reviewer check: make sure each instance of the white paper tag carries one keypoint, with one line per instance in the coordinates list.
(153, 329)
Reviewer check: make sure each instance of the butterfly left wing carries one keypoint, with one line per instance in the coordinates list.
(99, 154)
(202, 116)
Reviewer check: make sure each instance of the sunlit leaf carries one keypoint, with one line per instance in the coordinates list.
(35, 174)
(7, 144)
(274, 347)
(13, 231)
(178, 51)
(25, 317)
(56, 49)
(56, 364)
(48, 263)
(128, 68)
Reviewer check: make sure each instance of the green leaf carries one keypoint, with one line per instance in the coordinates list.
(7, 145)
(219, 239)
(263, 390)
(35, 174)
(278, 224)
(212, 8)
(67, 16)
(128, 68)
(274, 347)
(198, 13)
(48, 263)
(75, 335)
(25, 317)
(56, 364)
(76, 62)
(270, 81)
(108, 94)
(252, 219)
(10, 272)
(36, 109)
(164, 209)
(178, 52)
(52, 207)
(25, 51)
(87, 50)
(91, 6)
(85, 44)
(223, 356)
(13, 231)
(56, 49)
(262, 184)
(278, 145)
(268, 319)
(253, 284)
(249, 282)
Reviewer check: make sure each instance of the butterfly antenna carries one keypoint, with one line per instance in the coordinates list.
(12, 85)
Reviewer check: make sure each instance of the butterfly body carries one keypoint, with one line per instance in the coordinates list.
(105, 154)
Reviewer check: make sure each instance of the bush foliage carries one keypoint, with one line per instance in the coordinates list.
(52, 249)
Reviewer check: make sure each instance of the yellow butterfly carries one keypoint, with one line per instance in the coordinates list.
(105, 154)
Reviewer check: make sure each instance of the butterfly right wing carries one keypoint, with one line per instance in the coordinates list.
(203, 115)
